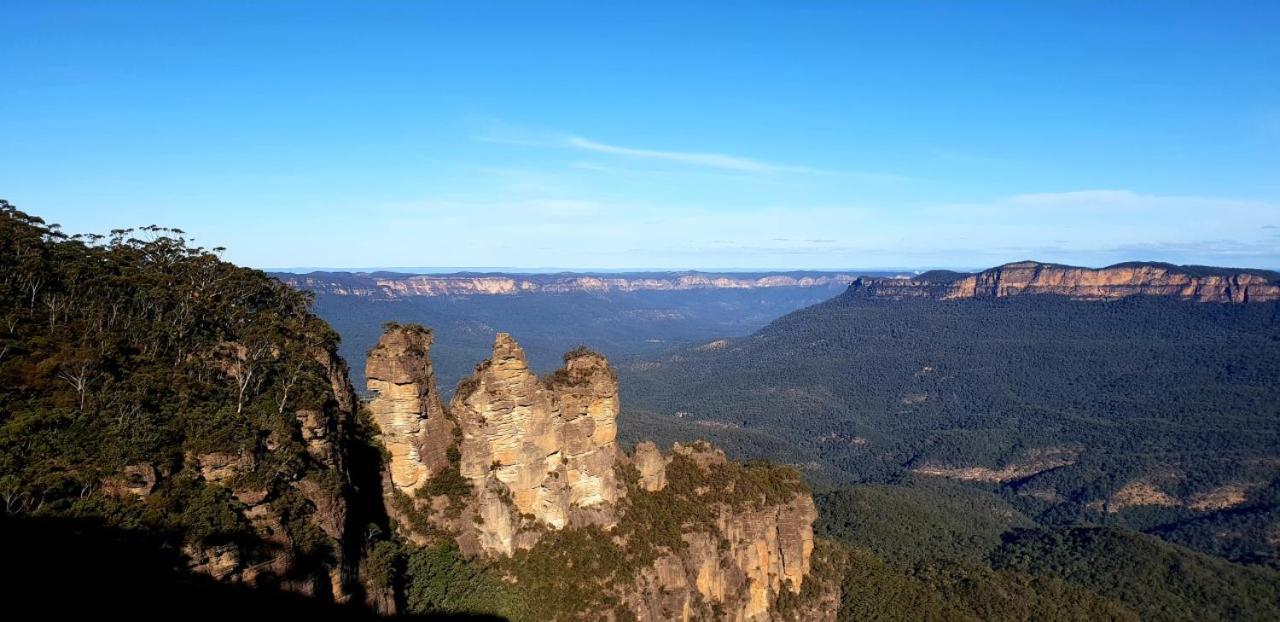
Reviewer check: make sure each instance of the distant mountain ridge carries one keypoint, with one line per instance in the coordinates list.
(1194, 283)
(394, 285)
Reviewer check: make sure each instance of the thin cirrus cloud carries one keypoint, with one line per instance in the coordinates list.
(711, 160)
(723, 162)
(727, 163)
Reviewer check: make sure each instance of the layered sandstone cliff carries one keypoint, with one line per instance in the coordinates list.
(516, 458)
(394, 285)
(749, 552)
(551, 444)
(408, 413)
(1119, 281)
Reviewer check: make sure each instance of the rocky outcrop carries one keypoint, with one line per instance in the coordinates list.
(520, 457)
(137, 480)
(651, 465)
(1031, 462)
(534, 451)
(393, 285)
(314, 497)
(749, 556)
(411, 420)
(551, 445)
(1153, 490)
(1192, 283)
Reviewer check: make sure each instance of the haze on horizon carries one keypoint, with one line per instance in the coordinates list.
(654, 135)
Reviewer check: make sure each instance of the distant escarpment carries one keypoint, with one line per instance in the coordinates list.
(1193, 283)
(525, 473)
(392, 285)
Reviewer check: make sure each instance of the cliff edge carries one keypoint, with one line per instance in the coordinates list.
(1191, 283)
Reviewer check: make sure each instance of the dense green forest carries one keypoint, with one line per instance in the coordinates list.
(925, 549)
(919, 521)
(1160, 580)
(956, 443)
(1059, 405)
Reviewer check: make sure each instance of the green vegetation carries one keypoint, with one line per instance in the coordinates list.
(751, 485)
(864, 390)
(137, 348)
(1244, 535)
(875, 590)
(441, 580)
(449, 482)
(571, 574)
(935, 550)
(926, 520)
(1160, 580)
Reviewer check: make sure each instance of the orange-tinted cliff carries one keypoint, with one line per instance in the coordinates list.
(1193, 283)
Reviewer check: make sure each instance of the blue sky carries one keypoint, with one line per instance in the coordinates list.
(654, 134)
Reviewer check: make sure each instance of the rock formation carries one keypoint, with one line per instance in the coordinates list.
(750, 555)
(322, 486)
(516, 457)
(408, 413)
(551, 445)
(1192, 283)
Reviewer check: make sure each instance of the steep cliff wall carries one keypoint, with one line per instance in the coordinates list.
(686, 535)
(1190, 283)
(279, 513)
(392, 285)
(748, 539)
(411, 420)
(550, 444)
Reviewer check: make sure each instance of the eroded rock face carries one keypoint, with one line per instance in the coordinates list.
(410, 418)
(1118, 281)
(1031, 462)
(532, 452)
(320, 491)
(137, 480)
(551, 444)
(740, 567)
(534, 455)
(651, 465)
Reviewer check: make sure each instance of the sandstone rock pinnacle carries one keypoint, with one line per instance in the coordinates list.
(515, 457)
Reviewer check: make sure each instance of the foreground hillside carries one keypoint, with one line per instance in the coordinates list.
(148, 387)
(1146, 411)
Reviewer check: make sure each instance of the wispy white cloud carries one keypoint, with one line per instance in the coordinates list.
(712, 160)
(506, 134)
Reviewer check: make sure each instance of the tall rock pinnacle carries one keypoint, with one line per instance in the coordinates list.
(514, 458)
(408, 412)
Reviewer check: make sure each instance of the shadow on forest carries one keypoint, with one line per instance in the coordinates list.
(65, 566)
